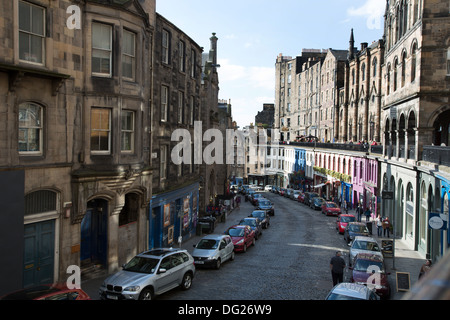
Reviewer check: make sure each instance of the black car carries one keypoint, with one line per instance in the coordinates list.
(317, 202)
(309, 196)
(263, 216)
(266, 205)
(354, 229)
(253, 223)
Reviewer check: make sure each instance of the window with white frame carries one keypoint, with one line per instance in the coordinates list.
(164, 102)
(127, 131)
(129, 55)
(100, 131)
(165, 46)
(31, 32)
(30, 128)
(181, 56)
(180, 106)
(163, 163)
(101, 49)
(192, 110)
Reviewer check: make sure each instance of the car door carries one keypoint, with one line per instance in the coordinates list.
(164, 280)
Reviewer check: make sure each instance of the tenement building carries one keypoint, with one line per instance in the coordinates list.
(90, 93)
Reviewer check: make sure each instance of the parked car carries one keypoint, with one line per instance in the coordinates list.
(213, 250)
(263, 216)
(330, 208)
(343, 220)
(317, 202)
(364, 266)
(242, 237)
(149, 274)
(255, 197)
(58, 291)
(282, 191)
(363, 245)
(354, 229)
(295, 194)
(268, 187)
(267, 205)
(301, 197)
(351, 291)
(253, 223)
(309, 196)
(288, 192)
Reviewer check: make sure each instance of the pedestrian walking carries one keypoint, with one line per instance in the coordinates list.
(337, 266)
(367, 213)
(359, 212)
(425, 268)
(379, 226)
(386, 227)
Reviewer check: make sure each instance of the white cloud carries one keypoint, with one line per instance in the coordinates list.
(372, 10)
(255, 77)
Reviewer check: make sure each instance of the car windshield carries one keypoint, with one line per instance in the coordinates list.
(236, 232)
(366, 245)
(207, 244)
(141, 265)
(249, 222)
(335, 296)
(332, 205)
(364, 265)
(264, 203)
(258, 214)
(358, 228)
(348, 219)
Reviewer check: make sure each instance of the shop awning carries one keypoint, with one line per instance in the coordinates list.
(319, 185)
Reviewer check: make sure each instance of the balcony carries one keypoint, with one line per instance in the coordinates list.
(437, 155)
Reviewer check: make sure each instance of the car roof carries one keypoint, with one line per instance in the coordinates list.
(348, 215)
(369, 256)
(351, 290)
(161, 252)
(368, 239)
(358, 223)
(215, 236)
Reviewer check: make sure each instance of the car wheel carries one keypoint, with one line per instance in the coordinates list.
(146, 294)
(218, 264)
(232, 256)
(186, 283)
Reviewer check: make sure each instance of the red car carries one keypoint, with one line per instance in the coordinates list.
(48, 292)
(369, 269)
(242, 236)
(330, 208)
(343, 220)
(301, 197)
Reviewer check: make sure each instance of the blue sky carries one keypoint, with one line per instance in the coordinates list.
(253, 32)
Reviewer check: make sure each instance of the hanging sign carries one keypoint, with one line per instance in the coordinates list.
(438, 221)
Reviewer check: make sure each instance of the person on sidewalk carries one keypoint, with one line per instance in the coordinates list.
(337, 266)
(386, 227)
(367, 213)
(425, 268)
(379, 226)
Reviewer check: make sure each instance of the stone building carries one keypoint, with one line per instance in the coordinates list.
(76, 136)
(176, 97)
(265, 118)
(414, 120)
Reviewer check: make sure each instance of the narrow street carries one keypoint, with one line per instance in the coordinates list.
(290, 261)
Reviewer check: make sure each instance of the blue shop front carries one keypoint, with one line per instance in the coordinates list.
(172, 215)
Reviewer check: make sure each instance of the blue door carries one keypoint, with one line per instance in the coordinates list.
(156, 227)
(94, 233)
(39, 253)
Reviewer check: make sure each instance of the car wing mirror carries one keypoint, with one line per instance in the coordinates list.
(162, 270)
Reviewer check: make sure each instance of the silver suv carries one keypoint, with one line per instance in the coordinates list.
(149, 274)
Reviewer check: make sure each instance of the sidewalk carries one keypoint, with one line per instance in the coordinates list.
(405, 260)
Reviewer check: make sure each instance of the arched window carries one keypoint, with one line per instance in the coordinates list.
(395, 74)
(388, 80)
(363, 72)
(403, 69)
(30, 128)
(413, 62)
(40, 201)
(374, 66)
